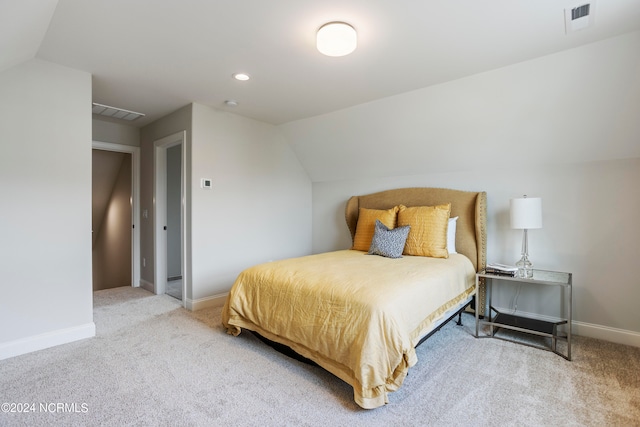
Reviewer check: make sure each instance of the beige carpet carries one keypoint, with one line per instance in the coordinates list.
(154, 363)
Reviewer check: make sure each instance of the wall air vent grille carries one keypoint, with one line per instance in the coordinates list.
(579, 17)
(580, 11)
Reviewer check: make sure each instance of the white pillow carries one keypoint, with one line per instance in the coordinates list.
(451, 235)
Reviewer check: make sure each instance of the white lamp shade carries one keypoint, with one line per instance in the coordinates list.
(526, 213)
(336, 39)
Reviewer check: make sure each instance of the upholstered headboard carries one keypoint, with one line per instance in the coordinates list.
(470, 208)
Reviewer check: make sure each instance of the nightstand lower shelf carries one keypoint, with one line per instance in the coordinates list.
(526, 325)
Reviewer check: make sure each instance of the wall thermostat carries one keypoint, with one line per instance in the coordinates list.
(205, 183)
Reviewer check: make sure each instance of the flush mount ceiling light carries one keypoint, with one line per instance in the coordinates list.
(336, 39)
(116, 113)
(243, 77)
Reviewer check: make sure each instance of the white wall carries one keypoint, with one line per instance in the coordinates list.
(576, 105)
(45, 188)
(563, 127)
(259, 208)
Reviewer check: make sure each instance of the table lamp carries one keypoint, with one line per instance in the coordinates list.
(526, 214)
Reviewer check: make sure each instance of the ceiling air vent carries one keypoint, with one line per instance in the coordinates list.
(579, 17)
(114, 112)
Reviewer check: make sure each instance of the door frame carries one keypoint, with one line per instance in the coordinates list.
(135, 201)
(160, 211)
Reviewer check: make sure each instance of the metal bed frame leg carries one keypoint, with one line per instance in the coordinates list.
(458, 322)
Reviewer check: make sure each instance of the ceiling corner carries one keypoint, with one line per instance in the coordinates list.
(23, 25)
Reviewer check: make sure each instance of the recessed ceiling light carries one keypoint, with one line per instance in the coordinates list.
(336, 39)
(241, 76)
(231, 103)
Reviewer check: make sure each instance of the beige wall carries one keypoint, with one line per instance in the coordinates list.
(116, 133)
(177, 121)
(259, 208)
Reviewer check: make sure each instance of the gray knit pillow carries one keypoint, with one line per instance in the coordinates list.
(388, 242)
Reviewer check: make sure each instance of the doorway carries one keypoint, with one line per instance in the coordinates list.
(115, 206)
(174, 221)
(170, 216)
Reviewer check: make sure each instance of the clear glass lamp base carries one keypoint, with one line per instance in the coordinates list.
(525, 268)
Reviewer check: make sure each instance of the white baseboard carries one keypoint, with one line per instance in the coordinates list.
(46, 340)
(200, 303)
(147, 286)
(619, 336)
(590, 330)
(192, 304)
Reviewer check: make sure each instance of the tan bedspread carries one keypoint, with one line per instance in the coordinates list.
(358, 316)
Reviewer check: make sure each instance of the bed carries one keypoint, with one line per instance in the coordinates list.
(360, 313)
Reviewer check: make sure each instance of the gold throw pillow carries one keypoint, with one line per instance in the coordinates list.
(367, 225)
(428, 233)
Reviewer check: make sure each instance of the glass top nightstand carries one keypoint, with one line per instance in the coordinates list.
(556, 330)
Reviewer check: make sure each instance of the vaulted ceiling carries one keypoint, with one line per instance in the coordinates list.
(154, 56)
